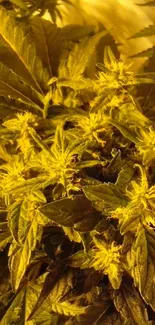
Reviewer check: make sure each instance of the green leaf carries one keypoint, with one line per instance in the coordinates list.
(107, 194)
(15, 35)
(130, 305)
(77, 212)
(49, 41)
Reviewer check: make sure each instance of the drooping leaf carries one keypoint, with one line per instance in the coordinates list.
(76, 212)
(15, 34)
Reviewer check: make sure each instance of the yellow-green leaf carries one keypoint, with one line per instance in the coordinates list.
(13, 86)
(20, 257)
(16, 36)
(49, 41)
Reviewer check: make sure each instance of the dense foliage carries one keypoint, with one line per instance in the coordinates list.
(77, 180)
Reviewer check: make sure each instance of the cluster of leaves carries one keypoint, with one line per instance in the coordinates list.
(24, 9)
(77, 193)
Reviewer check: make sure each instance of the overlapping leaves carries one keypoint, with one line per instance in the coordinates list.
(77, 180)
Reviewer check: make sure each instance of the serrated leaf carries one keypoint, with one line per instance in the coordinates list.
(125, 175)
(95, 312)
(15, 35)
(142, 264)
(68, 309)
(49, 41)
(51, 279)
(75, 65)
(48, 318)
(20, 255)
(13, 87)
(130, 305)
(108, 194)
(14, 311)
(147, 53)
(77, 212)
(147, 31)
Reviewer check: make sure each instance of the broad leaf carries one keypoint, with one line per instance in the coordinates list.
(77, 213)
(107, 194)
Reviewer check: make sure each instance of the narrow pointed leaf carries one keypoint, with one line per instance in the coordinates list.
(15, 35)
(20, 258)
(130, 305)
(78, 59)
(49, 41)
(148, 31)
(11, 85)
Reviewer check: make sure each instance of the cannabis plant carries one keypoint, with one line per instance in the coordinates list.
(77, 181)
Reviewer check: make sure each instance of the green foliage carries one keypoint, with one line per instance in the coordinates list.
(77, 192)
